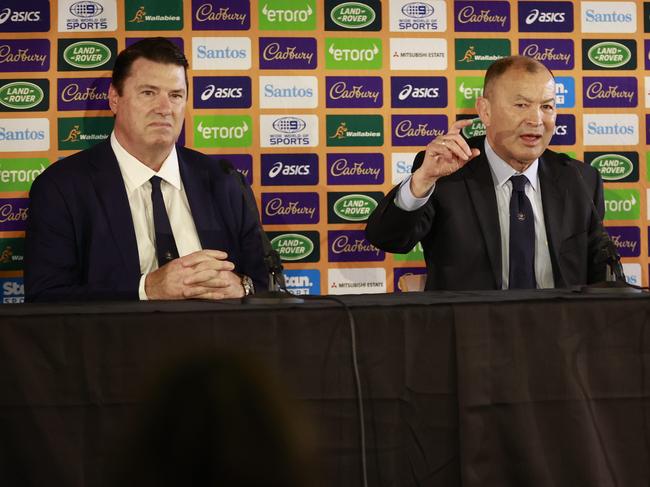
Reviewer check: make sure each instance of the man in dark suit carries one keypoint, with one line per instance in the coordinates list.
(136, 217)
(459, 198)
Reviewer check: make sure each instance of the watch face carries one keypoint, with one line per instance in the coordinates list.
(247, 284)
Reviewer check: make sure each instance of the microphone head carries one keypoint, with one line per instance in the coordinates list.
(226, 166)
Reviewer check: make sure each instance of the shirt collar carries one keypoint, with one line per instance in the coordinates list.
(136, 173)
(502, 171)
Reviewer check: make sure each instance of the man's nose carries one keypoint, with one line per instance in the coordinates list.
(534, 116)
(163, 104)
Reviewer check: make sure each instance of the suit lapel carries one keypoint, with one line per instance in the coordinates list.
(481, 191)
(196, 181)
(109, 187)
(554, 193)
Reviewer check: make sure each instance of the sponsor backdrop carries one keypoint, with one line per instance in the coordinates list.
(323, 104)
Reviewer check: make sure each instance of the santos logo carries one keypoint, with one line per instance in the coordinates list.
(611, 129)
(221, 53)
(288, 92)
(401, 164)
(294, 131)
(24, 134)
(608, 17)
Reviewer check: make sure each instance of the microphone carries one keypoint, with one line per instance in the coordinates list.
(277, 292)
(607, 248)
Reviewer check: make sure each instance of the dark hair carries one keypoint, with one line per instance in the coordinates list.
(501, 66)
(157, 49)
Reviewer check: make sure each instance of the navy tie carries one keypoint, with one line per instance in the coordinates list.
(522, 237)
(165, 244)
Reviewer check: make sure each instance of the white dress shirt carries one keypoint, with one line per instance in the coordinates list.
(501, 172)
(136, 178)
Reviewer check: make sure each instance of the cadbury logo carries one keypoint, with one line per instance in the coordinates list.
(276, 207)
(546, 54)
(344, 245)
(596, 91)
(20, 56)
(406, 129)
(73, 92)
(206, 13)
(624, 244)
(343, 167)
(273, 52)
(341, 90)
(9, 214)
(469, 15)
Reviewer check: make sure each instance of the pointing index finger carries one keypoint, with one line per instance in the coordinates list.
(458, 125)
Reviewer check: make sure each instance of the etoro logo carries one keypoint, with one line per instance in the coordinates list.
(292, 246)
(622, 204)
(287, 14)
(19, 174)
(223, 131)
(87, 54)
(468, 90)
(364, 53)
(353, 15)
(609, 54)
(21, 95)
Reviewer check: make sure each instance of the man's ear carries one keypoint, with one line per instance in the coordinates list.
(113, 97)
(483, 110)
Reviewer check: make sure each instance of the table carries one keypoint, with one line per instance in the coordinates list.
(491, 388)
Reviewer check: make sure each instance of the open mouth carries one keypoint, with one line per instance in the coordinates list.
(531, 139)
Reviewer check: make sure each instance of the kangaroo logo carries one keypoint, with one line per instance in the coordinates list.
(139, 15)
(341, 130)
(73, 135)
(469, 55)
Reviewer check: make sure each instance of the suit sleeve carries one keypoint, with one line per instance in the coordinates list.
(394, 230)
(53, 263)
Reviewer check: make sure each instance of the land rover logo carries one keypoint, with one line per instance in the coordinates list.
(87, 54)
(21, 95)
(354, 207)
(609, 54)
(353, 15)
(613, 167)
(292, 246)
(476, 129)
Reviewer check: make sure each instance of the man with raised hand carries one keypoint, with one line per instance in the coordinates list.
(501, 211)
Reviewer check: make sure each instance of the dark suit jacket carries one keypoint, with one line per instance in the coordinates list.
(80, 242)
(459, 225)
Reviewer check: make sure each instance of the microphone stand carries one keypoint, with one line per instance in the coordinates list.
(276, 293)
(615, 280)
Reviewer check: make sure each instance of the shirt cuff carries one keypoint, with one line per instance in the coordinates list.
(405, 200)
(141, 292)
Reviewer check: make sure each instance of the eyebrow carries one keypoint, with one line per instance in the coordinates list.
(157, 88)
(521, 97)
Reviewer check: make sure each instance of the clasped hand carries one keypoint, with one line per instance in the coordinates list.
(204, 274)
(443, 156)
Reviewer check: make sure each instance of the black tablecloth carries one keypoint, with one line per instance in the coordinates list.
(544, 388)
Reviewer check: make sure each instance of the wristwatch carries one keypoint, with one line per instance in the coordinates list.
(247, 284)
